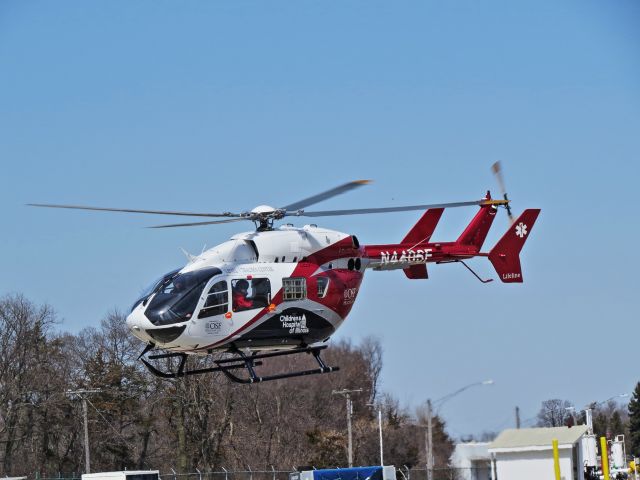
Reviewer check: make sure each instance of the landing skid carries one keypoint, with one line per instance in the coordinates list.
(240, 361)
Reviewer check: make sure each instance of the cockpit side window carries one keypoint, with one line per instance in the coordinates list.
(250, 293)
(217, 302)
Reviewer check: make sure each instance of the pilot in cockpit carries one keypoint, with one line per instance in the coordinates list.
(240, 300)
(179, 285)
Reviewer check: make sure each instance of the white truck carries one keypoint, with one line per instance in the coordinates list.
(124, 475)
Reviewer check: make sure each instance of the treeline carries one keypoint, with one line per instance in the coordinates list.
(205, 422)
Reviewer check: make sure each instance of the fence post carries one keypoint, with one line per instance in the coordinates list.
(402, 473)
(250, 473)
(274, 472)
(175, 477)
(226, 474)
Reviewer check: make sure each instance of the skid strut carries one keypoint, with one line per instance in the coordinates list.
(241, 361)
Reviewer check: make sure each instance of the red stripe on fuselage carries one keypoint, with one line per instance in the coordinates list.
(347, 279)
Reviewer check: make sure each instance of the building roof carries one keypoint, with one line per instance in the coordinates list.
(523, 438)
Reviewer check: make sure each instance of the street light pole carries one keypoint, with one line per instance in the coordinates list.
(441, 401)
(347, 394)
(380, 430)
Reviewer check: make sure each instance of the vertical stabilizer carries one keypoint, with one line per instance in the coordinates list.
(422, 231)
(505, 256)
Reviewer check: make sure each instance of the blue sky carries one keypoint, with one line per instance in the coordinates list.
(227, 105)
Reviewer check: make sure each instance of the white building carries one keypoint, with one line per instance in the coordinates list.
(527, 453)
(472, 461)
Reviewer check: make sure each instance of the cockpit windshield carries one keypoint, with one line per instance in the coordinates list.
(146, 292)
(176, 297)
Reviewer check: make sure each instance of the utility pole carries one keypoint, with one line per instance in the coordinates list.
(347, 394)
(518, 417)
(82, 395)
(429, 440)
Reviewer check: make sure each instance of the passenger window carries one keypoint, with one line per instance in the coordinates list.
(250, 293)
(217, 302)
(294, 288)
(323, 284)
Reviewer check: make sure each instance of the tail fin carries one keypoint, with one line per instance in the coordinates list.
(477, 230)
(421, 232)
(505, 256)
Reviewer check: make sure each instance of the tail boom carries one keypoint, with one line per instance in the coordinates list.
(415, 251)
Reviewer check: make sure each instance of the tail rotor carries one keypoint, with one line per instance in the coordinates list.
(497, 171)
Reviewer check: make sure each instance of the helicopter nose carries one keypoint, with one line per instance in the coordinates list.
(134, 324)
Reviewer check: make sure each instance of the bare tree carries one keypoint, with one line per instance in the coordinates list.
(31, 379)
(372, 350)
(139, 421)
(554, 413)
(442, 443)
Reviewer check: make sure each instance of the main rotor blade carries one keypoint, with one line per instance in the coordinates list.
(131, 210)
(197, 224)
(360, 211)
(325, 195)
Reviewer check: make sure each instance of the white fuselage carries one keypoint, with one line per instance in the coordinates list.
(264, 259)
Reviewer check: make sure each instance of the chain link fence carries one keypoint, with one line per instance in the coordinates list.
(402, 473)
(272, 474)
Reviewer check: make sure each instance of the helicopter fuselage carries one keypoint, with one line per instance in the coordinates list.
(300, 284)
(293, 287)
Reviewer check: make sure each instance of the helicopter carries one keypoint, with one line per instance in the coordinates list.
(284, 290)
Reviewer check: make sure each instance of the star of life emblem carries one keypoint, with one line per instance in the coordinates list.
(521, 230)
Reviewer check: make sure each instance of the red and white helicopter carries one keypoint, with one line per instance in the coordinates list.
(286, 290)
